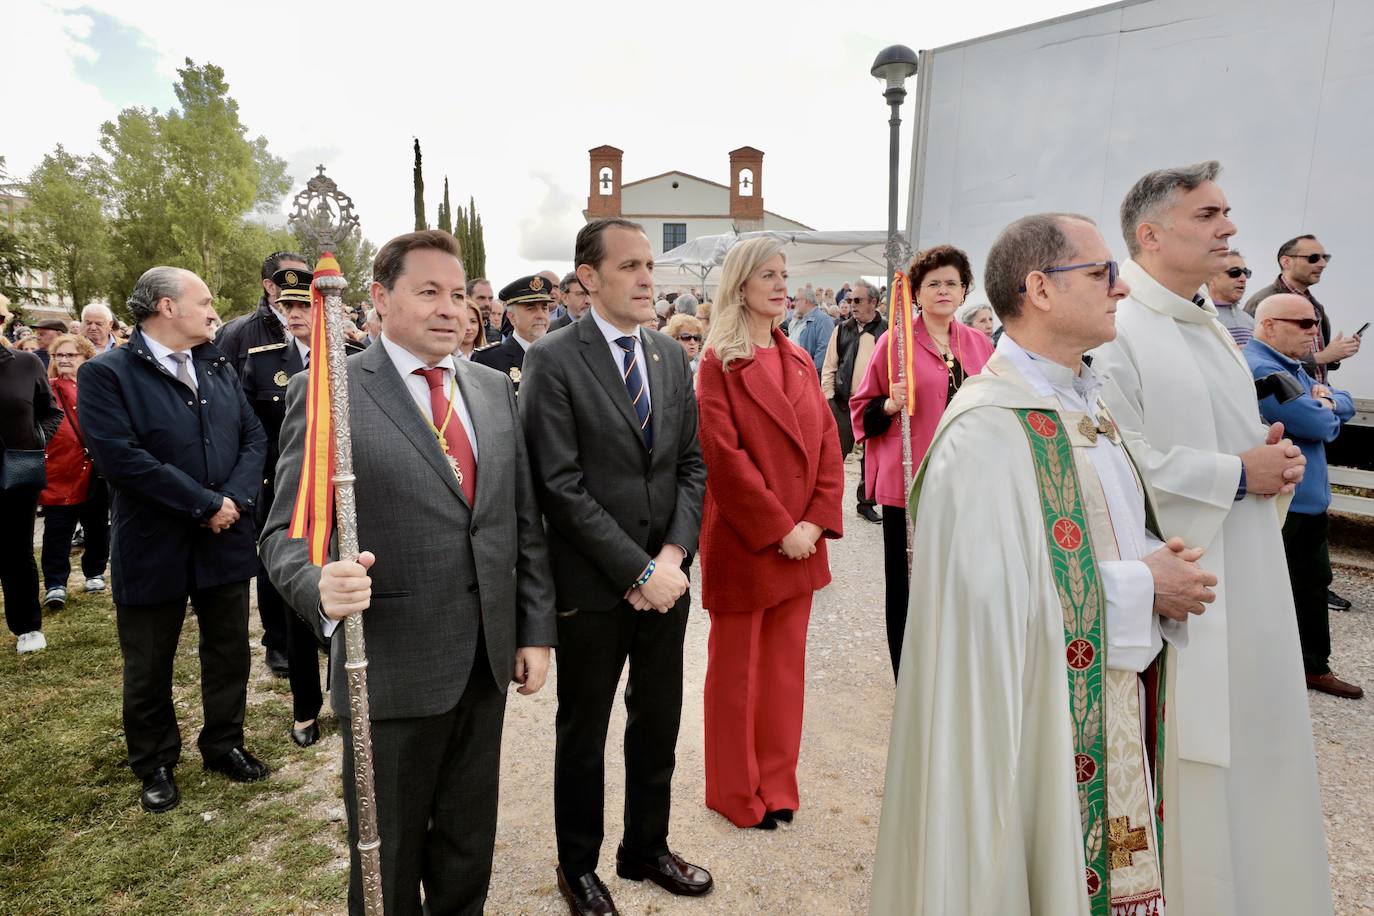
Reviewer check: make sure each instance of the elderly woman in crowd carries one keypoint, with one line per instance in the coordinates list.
(75, 493)
(773, 485)
(686, 330)
(28, 419)
(946, 353)
(978, 315)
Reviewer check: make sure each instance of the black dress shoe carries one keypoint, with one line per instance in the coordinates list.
(160, 792)
(768, 823)
(669, 871)
(306, 736)
(586, 895)
(279, 663)
(238, 765)
(1335, 602)
(782, 814)
(871, 514)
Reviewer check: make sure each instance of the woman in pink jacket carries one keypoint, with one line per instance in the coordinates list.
(946, 353)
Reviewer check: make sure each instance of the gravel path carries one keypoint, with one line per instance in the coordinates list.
(821, 863)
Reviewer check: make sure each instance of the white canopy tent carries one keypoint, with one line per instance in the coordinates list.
(833, 257)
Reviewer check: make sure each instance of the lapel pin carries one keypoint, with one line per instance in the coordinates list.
(655, 357)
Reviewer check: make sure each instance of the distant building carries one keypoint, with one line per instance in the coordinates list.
(676, 207)
(45, 302)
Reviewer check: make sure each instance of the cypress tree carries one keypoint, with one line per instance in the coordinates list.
(445, 213)
(419, 179)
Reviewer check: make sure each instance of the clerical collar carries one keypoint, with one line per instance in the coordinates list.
(1048, 375)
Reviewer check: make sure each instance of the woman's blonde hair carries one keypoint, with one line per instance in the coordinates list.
(83, 346)
(679, 323)
(729, 334)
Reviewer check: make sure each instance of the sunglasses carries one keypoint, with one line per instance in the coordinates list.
(1306, 324)
(1113, 271)
(691, 338)
(1235, 272)
(1311, 258)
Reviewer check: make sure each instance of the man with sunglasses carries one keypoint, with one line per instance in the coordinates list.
(1302, 261)
(1227, 289)
(1285, 327)
(1239, 786)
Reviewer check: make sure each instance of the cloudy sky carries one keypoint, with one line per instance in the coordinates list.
(506, 100)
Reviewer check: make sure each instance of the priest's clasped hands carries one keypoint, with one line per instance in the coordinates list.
(1181, 586)
(1275, 467)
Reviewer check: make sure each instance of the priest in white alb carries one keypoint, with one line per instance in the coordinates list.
(1020, 777)
(1242, 813)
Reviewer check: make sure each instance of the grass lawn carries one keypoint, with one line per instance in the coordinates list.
(73, 838)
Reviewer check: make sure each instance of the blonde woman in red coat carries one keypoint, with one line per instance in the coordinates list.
(773, 493)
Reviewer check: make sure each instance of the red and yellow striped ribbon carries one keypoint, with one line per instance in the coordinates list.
(313, 515)
(902, 320)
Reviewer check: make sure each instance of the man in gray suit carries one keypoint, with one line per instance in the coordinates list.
(455, 577)
(610, 420)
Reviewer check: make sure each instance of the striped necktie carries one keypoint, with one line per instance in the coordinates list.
(635, 385)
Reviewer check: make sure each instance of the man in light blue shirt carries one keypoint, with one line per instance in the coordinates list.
(811, 328)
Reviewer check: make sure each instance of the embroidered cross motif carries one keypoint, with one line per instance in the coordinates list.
(1123, 840)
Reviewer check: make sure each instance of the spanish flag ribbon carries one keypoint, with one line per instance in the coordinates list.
(903, 322)
(313, 515)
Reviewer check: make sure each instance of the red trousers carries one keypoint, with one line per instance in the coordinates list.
(755, 688)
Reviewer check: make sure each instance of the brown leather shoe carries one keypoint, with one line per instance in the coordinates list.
(670, 872)
(586, 895)
(1329, 683)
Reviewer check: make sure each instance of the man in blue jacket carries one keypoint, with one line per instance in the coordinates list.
(170, 430)
(1285, 327)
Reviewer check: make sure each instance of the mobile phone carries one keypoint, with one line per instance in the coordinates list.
(1364, 327)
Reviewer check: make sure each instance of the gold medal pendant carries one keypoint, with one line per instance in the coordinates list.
(453, 463)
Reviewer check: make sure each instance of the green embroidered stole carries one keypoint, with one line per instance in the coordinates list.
(1103, 704)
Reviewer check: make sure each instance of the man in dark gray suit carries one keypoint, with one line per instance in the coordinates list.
(610, 421)
(455, 577)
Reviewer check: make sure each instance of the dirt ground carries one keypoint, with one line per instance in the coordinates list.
(821, 863)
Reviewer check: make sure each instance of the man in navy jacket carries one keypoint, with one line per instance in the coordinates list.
(1286, 328)
(168, 426)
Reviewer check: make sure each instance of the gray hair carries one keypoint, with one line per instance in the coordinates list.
(1156, 189)
(371, 316)
(1029, 244)
(156, 284)
(869, 289)
(967, 313)
(98, 309)
(806, 293)
(568, 280)
(686, 304)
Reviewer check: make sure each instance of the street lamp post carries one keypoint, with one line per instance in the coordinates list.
(894, 65)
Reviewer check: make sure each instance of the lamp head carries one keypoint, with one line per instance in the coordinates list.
(893, 66)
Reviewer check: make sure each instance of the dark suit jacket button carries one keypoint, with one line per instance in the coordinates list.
(472, 532)
(644, 523)
(473, 588)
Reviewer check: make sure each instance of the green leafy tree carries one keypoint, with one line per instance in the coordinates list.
(419, 179)
(18, 257)
(355, 255)
(68, 222)
(468, 228)
(140, 198)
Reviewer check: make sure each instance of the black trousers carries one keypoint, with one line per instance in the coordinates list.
(1309, 573)
(436, 780)
(273, 613)
(303, 658)
(18, 571)
(895, 576)
(845, 428)
(59, 524)
(593, 648)
(148, 635)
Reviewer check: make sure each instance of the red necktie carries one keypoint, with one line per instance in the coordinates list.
(455, 442)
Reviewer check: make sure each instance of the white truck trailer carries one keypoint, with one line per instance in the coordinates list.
(1066, 114)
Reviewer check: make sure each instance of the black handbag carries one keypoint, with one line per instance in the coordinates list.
(23, 469)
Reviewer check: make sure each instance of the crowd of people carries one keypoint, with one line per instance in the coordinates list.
(1120, 496)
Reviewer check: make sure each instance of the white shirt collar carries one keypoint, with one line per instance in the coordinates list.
(406, 362)
(524, 344)
(161, 352)
(611, 332)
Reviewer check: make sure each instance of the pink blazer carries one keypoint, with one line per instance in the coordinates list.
(883, 458)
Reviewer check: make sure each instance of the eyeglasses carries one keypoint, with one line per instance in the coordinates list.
(1235, 272)
(1306, 324)
(689, 338)
(66, 356)
(947, 284)
(1113, 271)
(1312, 258)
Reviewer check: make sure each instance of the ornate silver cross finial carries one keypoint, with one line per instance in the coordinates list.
(322, 214)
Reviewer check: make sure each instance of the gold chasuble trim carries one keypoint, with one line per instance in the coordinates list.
(1122, 873)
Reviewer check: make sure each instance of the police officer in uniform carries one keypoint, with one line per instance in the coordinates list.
(267, 369)
(258, 328)
(529, 304)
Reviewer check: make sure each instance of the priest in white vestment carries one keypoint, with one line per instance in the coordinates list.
(1017, 700)
(1242, 811)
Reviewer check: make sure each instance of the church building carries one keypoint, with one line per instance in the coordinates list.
(675, 207)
